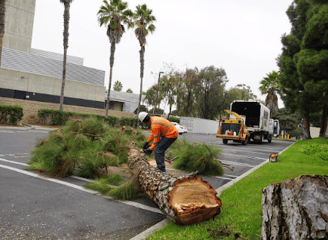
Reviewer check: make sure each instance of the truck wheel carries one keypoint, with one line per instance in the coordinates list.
(245, 142)
(261, 138)
(269, 139)
(225, 141)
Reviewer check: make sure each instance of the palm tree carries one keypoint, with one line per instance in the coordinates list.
(143, 23)
(270, 86)
(67, 4)
(2, 23)
(113, 14)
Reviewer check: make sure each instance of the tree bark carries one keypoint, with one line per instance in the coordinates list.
(184, 200)
(296, 209)
(142, 66)
(111, 64)
(324, 123)
(65, 43)
(306, 117)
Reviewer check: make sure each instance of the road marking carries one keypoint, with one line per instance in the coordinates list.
(48, 179)
(223, 178)
(236, 163)
(5, 160)
(6, 131)
(134, 204)
(244, 156)
(230, 175)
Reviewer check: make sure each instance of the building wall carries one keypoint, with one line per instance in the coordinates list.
(29, 82)
(30, 108)
(19, 21)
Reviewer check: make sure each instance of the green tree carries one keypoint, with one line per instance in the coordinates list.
(270, 86)
(143, 108)
(210, 91)
(143, 23)
(186, 98)
(113, 15)
(169, 87)
(293, 93)
(118, 86)
(129, 90)
(67, 5)
(289, 122)
(239, 92)
(150, 96)
(312, 60)
(2, 23)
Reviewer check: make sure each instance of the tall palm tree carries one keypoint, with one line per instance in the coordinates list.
(143, 23)
(67, 4)
(2, 23)
(112, 15)
(270, 86)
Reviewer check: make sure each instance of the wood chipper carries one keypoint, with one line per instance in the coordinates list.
(233, 129)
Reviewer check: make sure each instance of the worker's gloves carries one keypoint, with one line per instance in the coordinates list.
(146, 145)
(147, 151)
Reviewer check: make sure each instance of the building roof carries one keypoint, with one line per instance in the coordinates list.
(48, 66)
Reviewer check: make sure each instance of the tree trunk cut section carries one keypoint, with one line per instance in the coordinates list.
(184, 200)
(296, 209)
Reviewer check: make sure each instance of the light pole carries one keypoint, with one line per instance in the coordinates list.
(159, 78)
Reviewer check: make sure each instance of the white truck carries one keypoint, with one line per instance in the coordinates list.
(248, 120)
(257, 119)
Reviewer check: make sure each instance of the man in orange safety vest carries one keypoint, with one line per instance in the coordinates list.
(163, 132)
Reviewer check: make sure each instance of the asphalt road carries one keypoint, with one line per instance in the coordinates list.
(33, 207)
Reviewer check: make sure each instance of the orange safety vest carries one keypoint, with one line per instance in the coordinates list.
(161, 127)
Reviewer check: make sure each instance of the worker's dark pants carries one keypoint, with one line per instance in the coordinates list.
(159, 152)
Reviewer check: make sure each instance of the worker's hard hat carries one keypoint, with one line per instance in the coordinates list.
(143, 117)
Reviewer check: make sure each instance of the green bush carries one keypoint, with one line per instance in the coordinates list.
(56, 117)
(174, 119)
(81, 147)
(126, 121)
(199, 157)
(316, 149)
(11, 114)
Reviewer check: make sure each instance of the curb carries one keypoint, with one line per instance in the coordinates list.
(151, 230)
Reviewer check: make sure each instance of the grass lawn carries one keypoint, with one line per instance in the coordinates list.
(241, 203)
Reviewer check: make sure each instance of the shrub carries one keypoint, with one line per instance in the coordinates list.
(199, 157)
(174, 119)
(83, 147)
(11, 114)
(124, 192)
(316, 149)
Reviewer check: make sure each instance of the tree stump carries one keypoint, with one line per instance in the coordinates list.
(296, 209)
(184, 200)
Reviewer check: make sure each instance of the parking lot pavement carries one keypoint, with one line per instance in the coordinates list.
(36, 207)
(241, 157)
(60, 208)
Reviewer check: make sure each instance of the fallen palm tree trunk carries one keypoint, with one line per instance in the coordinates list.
(184, 200)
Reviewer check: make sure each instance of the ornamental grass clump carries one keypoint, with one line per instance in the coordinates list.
(124, 192)
(84, 148)
(199, 157)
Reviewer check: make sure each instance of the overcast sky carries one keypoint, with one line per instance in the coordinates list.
(242, 37)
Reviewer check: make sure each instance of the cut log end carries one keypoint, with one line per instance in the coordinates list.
(194, 200)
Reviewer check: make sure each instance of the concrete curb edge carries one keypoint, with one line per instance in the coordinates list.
(151, 230)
